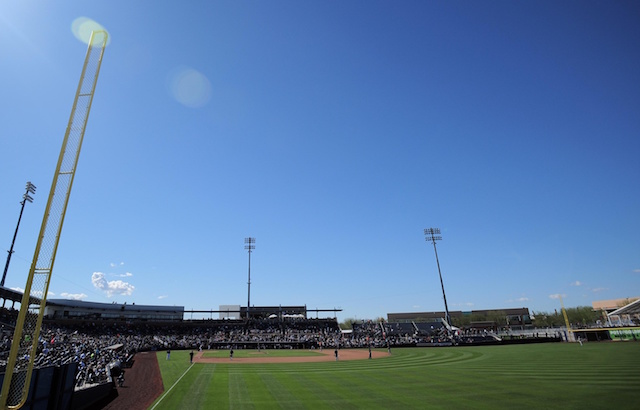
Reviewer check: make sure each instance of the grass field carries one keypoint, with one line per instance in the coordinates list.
(543, 376)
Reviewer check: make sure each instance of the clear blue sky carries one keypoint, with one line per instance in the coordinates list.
(333, 132)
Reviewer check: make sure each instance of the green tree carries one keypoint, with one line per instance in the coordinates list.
(582, 316)
(498, 317)
(548, 319)
(347, 323)
(461, 321)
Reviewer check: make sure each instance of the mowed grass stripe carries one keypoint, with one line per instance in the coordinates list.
(198, 380)
(285, 389)
(403, 389)
(351, 390)
(219, 390)
(602, 375)
(243, 397)
(327, 396)
(400, 359)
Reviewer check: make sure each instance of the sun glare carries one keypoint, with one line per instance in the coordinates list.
(83, 26)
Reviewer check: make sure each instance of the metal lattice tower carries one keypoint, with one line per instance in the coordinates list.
(25, 337)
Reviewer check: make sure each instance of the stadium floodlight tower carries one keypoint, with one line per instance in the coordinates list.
(249, 245)
(433, 235)
(31, 189)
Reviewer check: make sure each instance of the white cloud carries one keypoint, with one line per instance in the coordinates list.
(636, 271)
(523, 299)
(115, 265)
(163, 296)
(111, 287)
(596, 290)
(73, 296)
(126, 275)
(557, 296)
(576, 283)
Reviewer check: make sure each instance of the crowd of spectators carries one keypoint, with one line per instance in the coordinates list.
(95, 345)
(381, 334)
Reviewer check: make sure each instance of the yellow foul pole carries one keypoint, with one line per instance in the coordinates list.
(15, 386)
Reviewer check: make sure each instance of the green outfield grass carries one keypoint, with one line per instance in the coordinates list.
(542, 376)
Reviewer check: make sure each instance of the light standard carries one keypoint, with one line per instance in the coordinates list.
(433, 235)
(249, 244)
(31, 189)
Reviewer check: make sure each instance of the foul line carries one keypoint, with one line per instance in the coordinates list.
(174, 385)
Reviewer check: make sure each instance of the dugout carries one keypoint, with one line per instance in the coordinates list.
(592, 335)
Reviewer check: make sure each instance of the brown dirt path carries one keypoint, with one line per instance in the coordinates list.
(327, 356)
(142, 384)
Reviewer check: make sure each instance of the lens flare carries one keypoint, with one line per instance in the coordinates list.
(190, 87)
(82, 28)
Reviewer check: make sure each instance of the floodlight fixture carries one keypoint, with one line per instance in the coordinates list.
(249, 245)
(30, 189)
(433, 235)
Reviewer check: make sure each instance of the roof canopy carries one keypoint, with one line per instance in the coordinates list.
(630, 309)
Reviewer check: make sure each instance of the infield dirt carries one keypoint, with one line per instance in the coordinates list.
(324, 356)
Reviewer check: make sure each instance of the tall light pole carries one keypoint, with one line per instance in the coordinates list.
(31, 189)
(249, 245)
(433, 235)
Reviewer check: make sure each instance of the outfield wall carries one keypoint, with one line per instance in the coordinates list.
(50, 387)
(632, 333)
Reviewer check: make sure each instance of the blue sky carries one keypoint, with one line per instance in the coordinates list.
(333, 133)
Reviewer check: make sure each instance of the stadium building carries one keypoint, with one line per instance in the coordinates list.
(76, 309)
(516, 318)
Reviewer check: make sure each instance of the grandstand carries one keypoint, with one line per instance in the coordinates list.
(491, 319)
(623, 321)
(620, 312)
(628, 315)
(92, 341)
